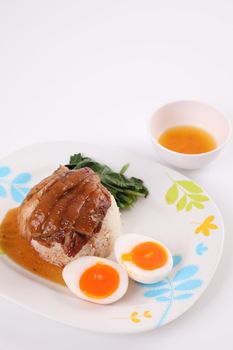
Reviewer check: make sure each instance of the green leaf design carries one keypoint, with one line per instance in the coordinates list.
(190, 186)
(198, 205)
(189, 206)
(1, 251)
(198, 197)
(181, 203)
(185, 194)
(172, 194)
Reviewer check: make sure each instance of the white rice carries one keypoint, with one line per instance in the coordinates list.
(99, 245)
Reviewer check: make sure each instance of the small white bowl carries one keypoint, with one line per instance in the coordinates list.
(192, 113)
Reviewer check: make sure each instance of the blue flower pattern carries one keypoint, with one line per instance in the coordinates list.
(17, 186)
(180, 287)
(201, 248)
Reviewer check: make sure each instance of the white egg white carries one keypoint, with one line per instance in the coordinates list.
(125, 243)
(73, 271)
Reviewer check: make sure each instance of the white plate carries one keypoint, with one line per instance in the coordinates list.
(194, 236)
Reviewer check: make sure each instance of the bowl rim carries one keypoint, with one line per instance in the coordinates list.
(191, 155)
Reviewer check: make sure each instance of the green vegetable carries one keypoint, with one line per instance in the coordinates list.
(125, 190)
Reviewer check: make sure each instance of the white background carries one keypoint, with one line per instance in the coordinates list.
(95, 71)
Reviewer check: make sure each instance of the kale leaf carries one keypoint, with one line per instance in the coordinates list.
(126, 191)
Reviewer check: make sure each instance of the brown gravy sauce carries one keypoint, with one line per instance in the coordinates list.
(20, 251)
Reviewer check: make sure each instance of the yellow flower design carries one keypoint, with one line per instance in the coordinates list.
(136, 317)
(147, 314)
(206, 226)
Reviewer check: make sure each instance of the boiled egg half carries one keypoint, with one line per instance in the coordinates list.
(145, 259)
(94, 279)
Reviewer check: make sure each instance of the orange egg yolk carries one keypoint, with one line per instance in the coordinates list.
(147, 256)
(99, 281)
